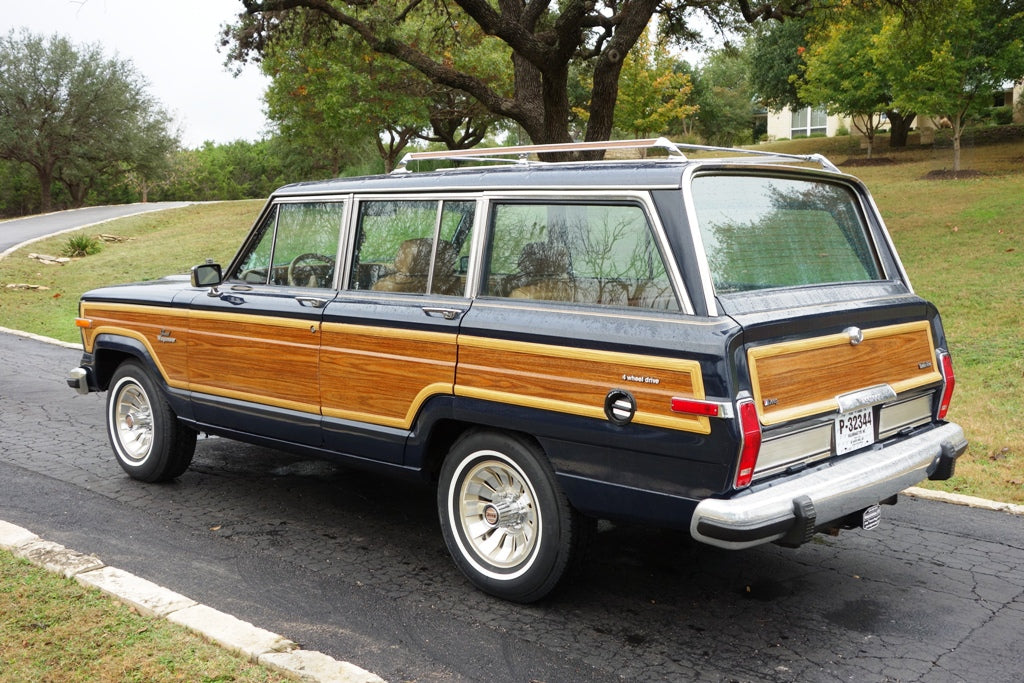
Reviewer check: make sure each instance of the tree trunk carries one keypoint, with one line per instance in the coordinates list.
(604, 96)
(46, 175)
(899, 127)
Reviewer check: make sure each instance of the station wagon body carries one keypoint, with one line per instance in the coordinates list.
(725, 345)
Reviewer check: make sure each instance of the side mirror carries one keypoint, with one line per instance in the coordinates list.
(206, 275)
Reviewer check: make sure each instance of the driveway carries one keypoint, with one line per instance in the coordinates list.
(353, 565)
(19, 230)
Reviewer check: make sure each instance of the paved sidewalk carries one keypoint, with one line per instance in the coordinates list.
(252, 642)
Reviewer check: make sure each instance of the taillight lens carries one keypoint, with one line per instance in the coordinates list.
(948, 383)
(750, 427)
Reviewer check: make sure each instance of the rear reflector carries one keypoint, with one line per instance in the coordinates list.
(750, 427)
(948, 383)
(695, 407)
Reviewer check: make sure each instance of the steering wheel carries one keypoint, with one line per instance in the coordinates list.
(295, 269)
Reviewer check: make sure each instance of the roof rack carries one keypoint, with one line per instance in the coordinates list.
(521, 154)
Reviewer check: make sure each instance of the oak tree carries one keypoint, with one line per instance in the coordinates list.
(543, 40)
(73, 114)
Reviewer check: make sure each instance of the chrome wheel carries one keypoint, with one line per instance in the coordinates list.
(498, 511)
(133, 422)
(506, 522)
(150, 443)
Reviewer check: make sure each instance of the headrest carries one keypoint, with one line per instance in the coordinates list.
(413, 256)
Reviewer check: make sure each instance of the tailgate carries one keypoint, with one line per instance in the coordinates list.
(824, 387)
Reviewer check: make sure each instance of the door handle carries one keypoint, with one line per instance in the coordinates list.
(446, 313)
(311, 301)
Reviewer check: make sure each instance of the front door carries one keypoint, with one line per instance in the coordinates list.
(255, 343)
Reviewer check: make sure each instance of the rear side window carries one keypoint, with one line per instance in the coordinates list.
(597, 254)
(412, 246)
(763, 232)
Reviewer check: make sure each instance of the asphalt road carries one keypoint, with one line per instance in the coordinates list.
(19, 230)
(353, 565)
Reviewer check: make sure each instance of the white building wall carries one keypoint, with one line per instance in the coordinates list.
(780, 124)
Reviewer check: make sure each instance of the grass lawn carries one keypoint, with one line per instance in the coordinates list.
(52, 629)
(962, 242)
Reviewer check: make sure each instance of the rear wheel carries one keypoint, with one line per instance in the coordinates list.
(508, 526)
(148, 440)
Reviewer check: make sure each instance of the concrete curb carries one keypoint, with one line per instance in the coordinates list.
(969, 501)
(40, 338)
(256, 644)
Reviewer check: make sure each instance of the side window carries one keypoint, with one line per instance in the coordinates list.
(412, 246)
(295, 246)
(600, 254)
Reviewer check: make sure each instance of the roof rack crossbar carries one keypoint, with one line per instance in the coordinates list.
(522, 153)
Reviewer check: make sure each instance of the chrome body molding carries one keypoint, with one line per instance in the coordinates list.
(792, 509)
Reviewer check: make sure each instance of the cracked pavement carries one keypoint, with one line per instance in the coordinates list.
(353, 565)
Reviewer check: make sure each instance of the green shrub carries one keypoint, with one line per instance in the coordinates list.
(81, 245)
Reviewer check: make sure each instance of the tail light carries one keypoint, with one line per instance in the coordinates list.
(750, 428)
(948, 383)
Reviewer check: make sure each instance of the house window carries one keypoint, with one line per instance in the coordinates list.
(809, 121)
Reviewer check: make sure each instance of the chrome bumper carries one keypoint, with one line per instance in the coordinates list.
(790, 510)
(78, 379)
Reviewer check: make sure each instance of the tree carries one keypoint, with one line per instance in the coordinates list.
(72, 114)
(328, 92)
(955, 58)
(842, 72)
(545, 39)
(726, 99)
(833, 60)
(775, 53)
(653, 94)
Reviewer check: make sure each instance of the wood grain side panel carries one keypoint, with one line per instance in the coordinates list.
(576, 381)
(802, 378)
(163, 331)
(267, 360)
(383, 375)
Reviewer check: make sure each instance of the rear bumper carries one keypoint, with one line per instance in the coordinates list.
(792, 509)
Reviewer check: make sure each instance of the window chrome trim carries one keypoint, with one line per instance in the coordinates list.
(697, 240)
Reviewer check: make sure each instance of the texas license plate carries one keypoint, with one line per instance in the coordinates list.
(854, 430)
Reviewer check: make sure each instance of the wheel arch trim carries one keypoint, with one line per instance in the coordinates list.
(124, 342)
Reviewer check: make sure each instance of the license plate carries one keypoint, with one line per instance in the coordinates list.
(854, 430)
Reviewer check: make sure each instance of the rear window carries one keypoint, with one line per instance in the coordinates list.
(762, 232)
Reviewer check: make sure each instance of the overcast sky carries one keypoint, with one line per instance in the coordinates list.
(173, 44)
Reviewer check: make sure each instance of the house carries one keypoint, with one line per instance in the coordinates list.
(808, 121)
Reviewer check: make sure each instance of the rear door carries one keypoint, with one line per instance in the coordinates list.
(389, 339)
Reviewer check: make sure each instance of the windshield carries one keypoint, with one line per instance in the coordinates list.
(762, 232)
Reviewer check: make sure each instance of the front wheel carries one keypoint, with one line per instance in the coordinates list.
(148, 440)
(506, 523)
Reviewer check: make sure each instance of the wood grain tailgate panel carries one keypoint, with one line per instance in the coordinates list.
(802, 378)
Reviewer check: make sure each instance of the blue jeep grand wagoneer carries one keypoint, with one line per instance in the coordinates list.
(727, 344)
